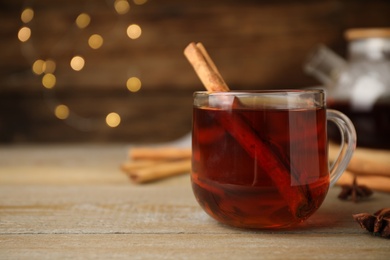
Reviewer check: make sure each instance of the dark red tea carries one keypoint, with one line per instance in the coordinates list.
(259, 168)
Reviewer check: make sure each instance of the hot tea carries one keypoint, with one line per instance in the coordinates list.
(256, 167)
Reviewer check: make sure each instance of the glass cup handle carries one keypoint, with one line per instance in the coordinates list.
(348, 143)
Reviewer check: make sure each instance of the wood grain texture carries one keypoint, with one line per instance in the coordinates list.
(72, 201)
(190, 246)
(255, 44)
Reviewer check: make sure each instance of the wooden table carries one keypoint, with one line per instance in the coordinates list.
(73, 202)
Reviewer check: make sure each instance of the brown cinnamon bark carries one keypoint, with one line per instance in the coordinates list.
(138, 164)
(374, 182)
(159, 153)
(297, 197)
(366, 161)
(158, 171)
(205, 68)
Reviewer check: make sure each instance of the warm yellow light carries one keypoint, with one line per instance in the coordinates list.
(38, 67)
(24, 34)
(121, 6)
(133, 84)
(27, 15)
(77, 63)
(49, 66)
(49, 80)
(113, 119)
(139, 2)
(95, 41)
(83, 20)
(61, 112)
(134, 31)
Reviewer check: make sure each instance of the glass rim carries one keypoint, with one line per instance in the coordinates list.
(275, 99)
(262, 91)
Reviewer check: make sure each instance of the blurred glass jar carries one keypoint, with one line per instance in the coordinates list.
(359, 86)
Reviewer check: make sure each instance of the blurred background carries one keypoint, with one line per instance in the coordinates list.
(114, 70)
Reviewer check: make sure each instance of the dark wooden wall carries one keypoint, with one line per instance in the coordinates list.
(256, 45)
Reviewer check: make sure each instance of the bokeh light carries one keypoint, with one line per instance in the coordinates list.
(121, 6)
(61, 111)
(133, 84)
(83, 20)
(27, 15)
(38, 67)
(95, 41)
(113, 119)
(49, 80)
(134, 31)
(24, 34)
(77, 63)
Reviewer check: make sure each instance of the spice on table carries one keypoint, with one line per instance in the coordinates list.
(159, 153)
(147, 164)
(365, 161)
(355, 191)
(378, 223)
(375, 182)
(371, 166)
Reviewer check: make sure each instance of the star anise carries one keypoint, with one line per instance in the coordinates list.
(377, 223)
(355, 191)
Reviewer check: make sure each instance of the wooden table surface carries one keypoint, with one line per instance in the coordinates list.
(72, 201)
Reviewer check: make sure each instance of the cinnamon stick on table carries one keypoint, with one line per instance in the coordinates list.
(148, 164)
(159, 153)
(257, 148)
(374, 182)
(366, 161)
(159, 170)
(138, 164)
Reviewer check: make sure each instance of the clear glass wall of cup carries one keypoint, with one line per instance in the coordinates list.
(260, 158)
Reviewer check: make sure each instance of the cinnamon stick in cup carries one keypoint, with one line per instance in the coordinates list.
(296, 197)
(205, 68)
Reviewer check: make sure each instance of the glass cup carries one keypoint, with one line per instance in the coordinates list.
(260, 158)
